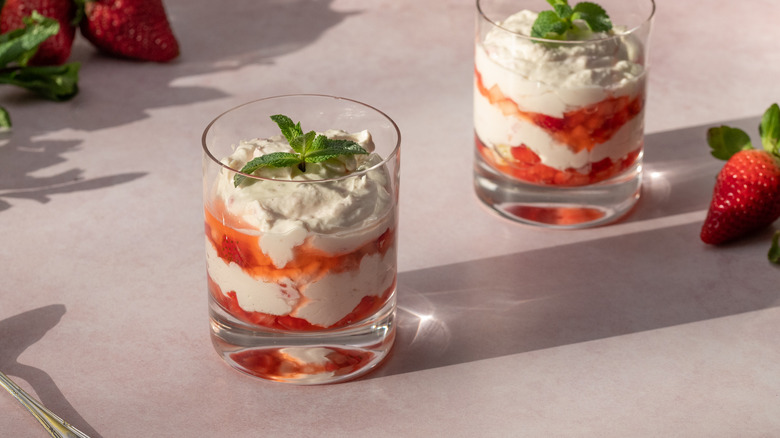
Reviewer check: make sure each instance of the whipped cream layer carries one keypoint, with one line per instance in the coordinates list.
(323, 302)
(290, 206)
(336, 206)
(554, 80)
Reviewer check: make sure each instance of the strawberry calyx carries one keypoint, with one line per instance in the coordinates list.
(80, 12)
(774, 250)
(769, 129)
(725, 141)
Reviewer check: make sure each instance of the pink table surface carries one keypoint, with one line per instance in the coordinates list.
(631, 330)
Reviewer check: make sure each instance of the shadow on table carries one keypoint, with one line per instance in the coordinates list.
(251, 32)
(590, 290)
(20, 161)
(116, 91)
(679, 172)
(19, 332)
(581, 292)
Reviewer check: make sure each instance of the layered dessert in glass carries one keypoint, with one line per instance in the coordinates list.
(300, 261)
(293, 255)
(555, 114)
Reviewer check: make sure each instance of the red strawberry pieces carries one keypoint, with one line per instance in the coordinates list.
(746, 197)
(56, 49)
(137, 29)
(230, 251)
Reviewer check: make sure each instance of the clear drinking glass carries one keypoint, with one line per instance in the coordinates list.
(559, 125)
(302, 273)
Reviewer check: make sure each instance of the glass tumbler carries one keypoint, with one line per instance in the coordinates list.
(559, 124)
(301, 271)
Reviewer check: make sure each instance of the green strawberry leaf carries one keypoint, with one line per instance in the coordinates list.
(5, 119)
(726, 141)
(594, 15)
(769, 129)
(274, 159)
(774, 250)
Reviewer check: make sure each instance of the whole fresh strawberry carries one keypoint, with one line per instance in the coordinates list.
(56, 49)
(746, 197)
(136, 29)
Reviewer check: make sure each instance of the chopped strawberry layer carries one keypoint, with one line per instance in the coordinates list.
(308, 265)
(527, 166)
(580, 129)
(367, 307)
(583, 128)
(276, 364)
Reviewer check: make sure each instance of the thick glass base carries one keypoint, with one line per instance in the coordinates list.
(305, 357)
(558, 207)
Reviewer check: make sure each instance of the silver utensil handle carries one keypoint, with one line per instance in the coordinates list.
(55, 425)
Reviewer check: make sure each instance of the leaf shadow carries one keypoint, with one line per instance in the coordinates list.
(18, 333)
(116, 92)
(20, 160)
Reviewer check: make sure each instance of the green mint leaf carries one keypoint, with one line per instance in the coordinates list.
(558, 24)
(332, 149)
(770, 129)
(308, 148)
(774, 250)
(19, 45)
(302, 143)
(562, 8)
(55, 82)
(289, 129)
(320, 142)
(726, 141)
(549, 25)
(274, 159)
(5, 119)
(594, 15)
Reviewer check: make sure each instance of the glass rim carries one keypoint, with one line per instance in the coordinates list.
(391, 156)
(569, 42)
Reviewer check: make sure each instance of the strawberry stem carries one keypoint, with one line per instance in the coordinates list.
(769, 129)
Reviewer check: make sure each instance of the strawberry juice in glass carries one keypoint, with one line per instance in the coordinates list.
(559, 108)
(301, 253)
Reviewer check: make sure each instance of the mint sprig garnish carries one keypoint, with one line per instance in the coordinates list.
(308, 147)
(17, 47)
(558, 24)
